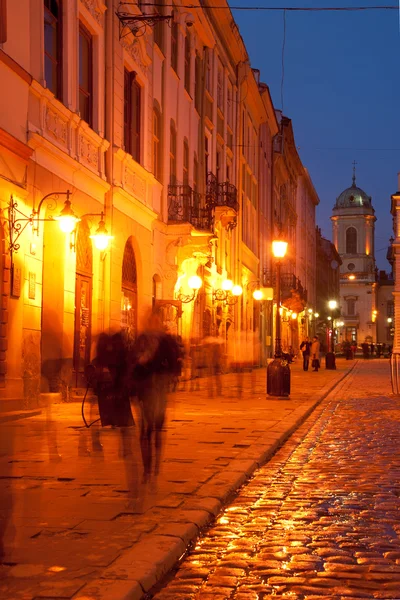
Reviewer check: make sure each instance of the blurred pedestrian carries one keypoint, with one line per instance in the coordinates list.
(353, 348)
(155, 356)
(214, 351)
(305, 348)
(365, 349)
(315, 351)
(372, 349)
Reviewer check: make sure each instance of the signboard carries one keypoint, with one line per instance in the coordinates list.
(32, 286)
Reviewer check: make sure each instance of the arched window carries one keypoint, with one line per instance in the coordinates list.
(157, 160)
(129, 292)
(351, 240)
(172, 154)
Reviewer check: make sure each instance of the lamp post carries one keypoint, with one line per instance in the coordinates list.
(330, 358)
(278, 371)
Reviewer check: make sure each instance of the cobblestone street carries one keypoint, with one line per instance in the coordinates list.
(321, 519)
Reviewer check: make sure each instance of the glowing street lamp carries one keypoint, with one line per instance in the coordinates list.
(278, 374)
(330, 359)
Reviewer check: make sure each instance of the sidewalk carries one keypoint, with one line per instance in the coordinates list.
(77, 532)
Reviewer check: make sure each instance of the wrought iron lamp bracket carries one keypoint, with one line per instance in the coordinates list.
(186, 298)
(15, 222)
(136, 24)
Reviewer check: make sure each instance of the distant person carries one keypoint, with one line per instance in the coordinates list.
(305, 348)
(372, 349)
(354, 348)
(315, 352)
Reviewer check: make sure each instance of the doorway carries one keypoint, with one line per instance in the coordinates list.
(83, 303)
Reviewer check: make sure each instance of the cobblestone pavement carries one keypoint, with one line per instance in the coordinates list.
(321, 519)
(79, 522)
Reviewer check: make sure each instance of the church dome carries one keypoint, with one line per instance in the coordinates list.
(353, 197)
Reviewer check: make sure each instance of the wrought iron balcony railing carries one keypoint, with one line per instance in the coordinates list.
(289, 283)
(221, 193)
(186, 206)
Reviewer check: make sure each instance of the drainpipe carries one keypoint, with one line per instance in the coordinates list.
(109, 156)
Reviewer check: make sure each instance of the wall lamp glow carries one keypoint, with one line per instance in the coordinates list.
(228, 292)
(194, 283)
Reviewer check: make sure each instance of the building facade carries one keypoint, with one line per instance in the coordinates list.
(164, 136)
(353, 225)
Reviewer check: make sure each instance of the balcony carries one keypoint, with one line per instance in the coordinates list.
(291, 285)
(221, 193)
(185, 206)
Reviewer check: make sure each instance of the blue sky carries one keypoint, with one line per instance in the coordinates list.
(342, 92)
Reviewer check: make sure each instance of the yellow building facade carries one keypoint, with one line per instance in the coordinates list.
(155, 128)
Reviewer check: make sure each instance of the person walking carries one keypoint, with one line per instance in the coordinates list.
(156, 356)
(305, 349)
(315, 350)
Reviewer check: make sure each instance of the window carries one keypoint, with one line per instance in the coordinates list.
(187, 61)
(132, 113)
(351, 241)
(185, 162)
(158, 28)
(351, 266)
(208, 70)
(220, 87)
(52, 46)
(174, 42)
(85, 75)
(195, 173)
(230, 104)
(218, 166)
(3, 21)
(197, 83)
(206, 155)
(351, 307)
(172, 154)
(156, 142)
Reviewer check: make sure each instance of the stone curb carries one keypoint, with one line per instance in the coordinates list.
(140, 568)
(15, 415)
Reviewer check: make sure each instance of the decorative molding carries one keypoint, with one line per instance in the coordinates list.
(56, 125)
(88, 152)
(96, 9)
(135, 50)
(135, 183)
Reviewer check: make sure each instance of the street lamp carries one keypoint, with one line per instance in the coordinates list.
(194, 283)
(330, 358)
(278, 371)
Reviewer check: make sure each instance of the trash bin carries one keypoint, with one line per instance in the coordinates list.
(330, 361)
(278, 378)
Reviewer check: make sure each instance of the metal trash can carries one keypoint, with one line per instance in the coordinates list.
(330, 361)
(278, 378)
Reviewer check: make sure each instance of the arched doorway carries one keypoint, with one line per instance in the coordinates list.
(83, 301)
(129, 293)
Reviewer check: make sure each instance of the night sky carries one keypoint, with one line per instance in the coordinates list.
(341, 89)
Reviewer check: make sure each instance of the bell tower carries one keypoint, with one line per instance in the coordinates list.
(353, 229)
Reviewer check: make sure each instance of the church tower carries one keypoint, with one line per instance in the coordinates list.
(353, 230)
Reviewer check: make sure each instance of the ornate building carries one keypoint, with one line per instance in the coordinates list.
(154, 126)
(353, 224)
